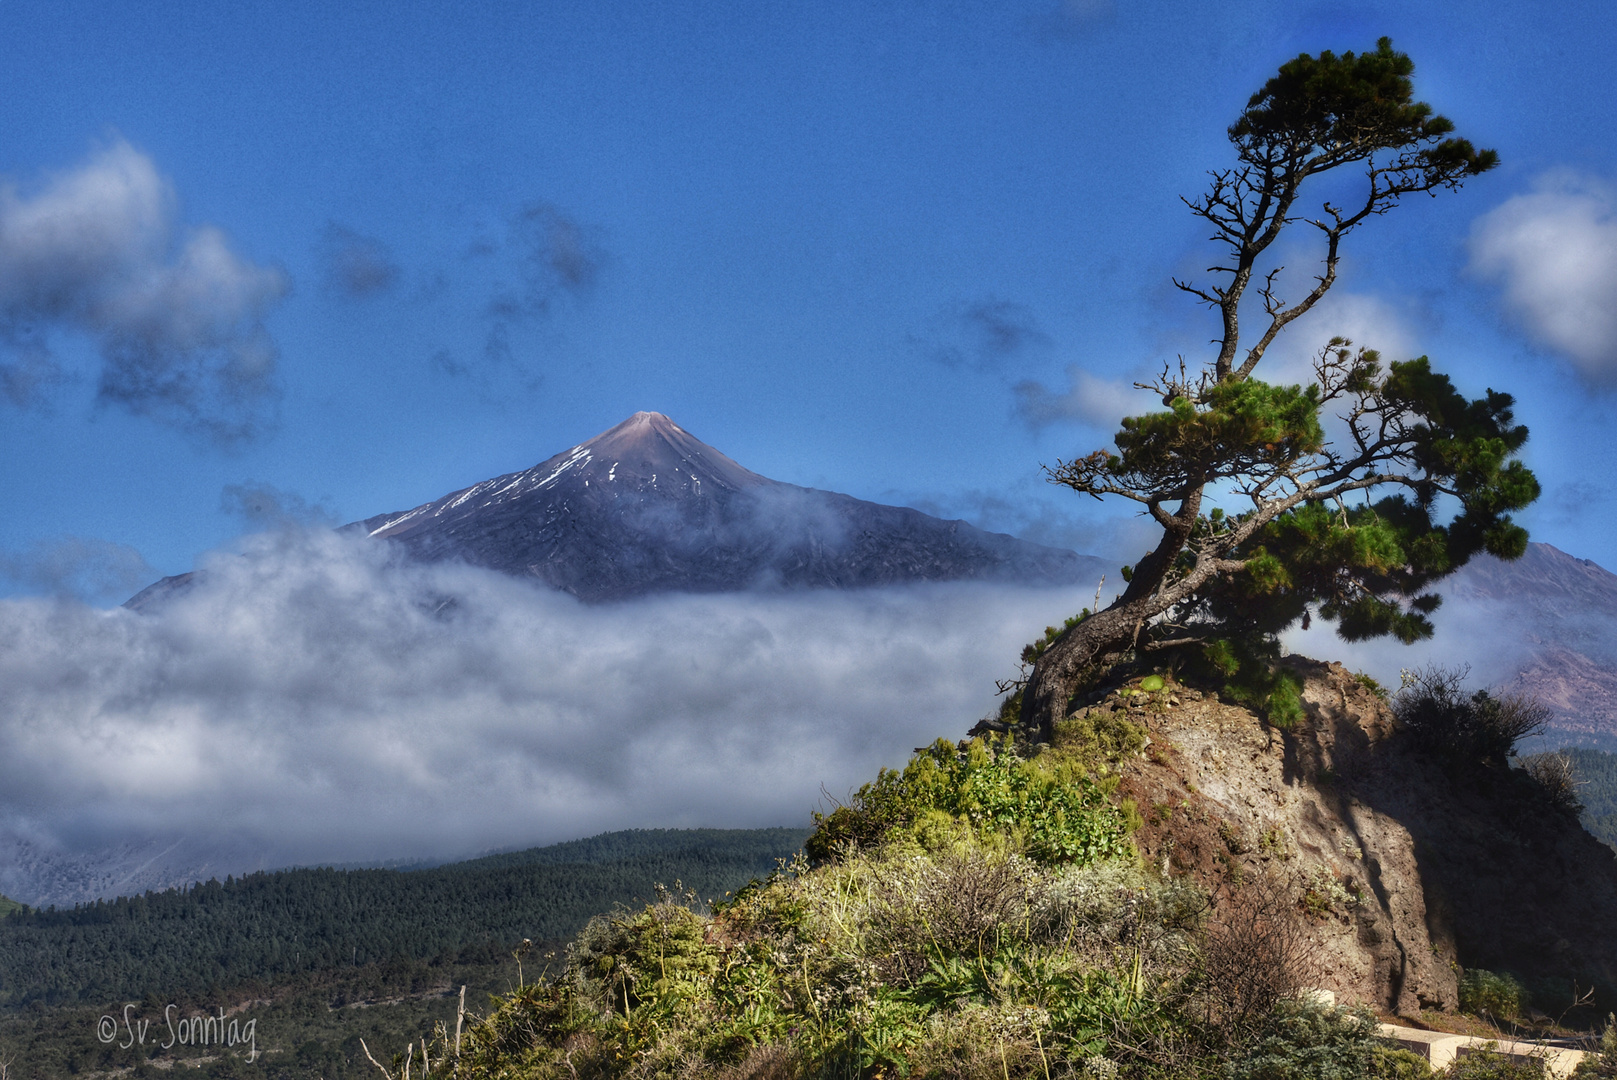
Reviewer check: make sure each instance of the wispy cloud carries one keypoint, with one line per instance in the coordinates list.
(321, 701)
(1086, 399)
(83, 567)
(981, 333)
(1554, 253)
(1046, 514)
(1072, 18)
(545, 257)
(1367, 320)
(177, 315)
(559, 254)
(264, 506)
(356, 266)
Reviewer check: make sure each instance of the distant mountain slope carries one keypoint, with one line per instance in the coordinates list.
(271, 925)
(761, 846)
(1547, 579)
(1564, 610)
(646, 507)
(40, 875)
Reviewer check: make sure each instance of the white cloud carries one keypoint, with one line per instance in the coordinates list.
(1087, 399)
(177, 314)
(1368, 321)
(1554, 252)
(1467, 634)
(319, 702)
(86, 568)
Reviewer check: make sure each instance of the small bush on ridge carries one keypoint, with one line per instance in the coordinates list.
(1478, 727)
(1053, 814)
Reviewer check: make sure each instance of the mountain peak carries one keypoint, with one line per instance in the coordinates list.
(649, 445)
(648, 507)
(642, 425)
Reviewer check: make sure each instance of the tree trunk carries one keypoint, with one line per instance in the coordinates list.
(1083, 654)
(1071, 662)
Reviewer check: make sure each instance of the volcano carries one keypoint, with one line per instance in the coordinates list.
(647, 507)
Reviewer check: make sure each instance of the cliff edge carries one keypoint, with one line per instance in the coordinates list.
(1408, 867)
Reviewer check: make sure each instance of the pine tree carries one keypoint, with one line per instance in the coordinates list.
(1355, 530)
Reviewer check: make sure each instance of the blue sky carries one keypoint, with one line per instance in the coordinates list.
(310, 263)
(334, 260)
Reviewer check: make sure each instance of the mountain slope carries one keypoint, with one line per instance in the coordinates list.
(1563, 612)
(646, 507)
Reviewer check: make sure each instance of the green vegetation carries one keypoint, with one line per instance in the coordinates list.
(269, 926)
(1355, 531)
(8, 905)
(1603, 1062)
(307, 1027)
(1465, 728)
(262, 947)
(1048, 806)
(962, 918)
(1498, 998)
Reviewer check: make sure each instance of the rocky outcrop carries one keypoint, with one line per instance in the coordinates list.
(1408, 869)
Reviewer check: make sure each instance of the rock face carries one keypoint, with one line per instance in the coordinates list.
(1410, 870)
(647, 507)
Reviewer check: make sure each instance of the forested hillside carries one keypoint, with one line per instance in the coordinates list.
(269, 926)
(1595, 772)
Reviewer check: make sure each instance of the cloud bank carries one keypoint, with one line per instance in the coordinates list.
(1553, 252)
(175, 314)
(313, 700)
(1467, 635)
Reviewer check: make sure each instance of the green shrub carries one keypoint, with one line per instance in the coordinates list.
(1098, 737)
(1478, 727)
(1487, 1064)
(971, 962)
(1251, 675)
(986, 790)
(1486, 994)
(1369, 683)
(1310, 1041)
(1395, 1063)
(1602, 1062)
